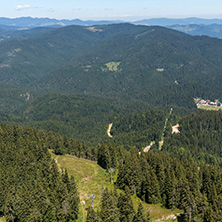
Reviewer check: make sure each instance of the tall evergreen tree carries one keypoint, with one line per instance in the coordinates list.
(148, 218)
(73, 200)
(139, 217)
(125, 206)
(109, 211)
(92, 215)
(103, 158)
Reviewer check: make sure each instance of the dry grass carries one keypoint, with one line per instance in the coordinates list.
(112, 66)
(90, 178)
(88, 175)
(211, 108)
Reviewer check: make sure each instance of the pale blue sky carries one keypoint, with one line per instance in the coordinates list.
(111, 9)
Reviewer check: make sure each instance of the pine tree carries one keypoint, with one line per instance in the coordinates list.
(139, 217)
(188, 203)
(58, 145)
(148, 218)
(130, 173)
(150, 187)
(170, 188)
(9, 209)
(109, 211)
(65, 179)
(209, 215)
(125, 206)
(92, 215)
(103, 156)
(73, 200)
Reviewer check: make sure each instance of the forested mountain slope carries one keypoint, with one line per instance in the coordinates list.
(9, 32)
(24, 60)
(139, 62)
(115, 60)
(139, 129)
(78, 80)
(84, 117)
(32, 188)
(160, 178)
(199, 137)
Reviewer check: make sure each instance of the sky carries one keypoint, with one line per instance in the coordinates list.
(128, 10)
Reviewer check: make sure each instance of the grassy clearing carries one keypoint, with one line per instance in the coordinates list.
(2, 219)
(90, 178)
(157, 212)
(211, 108)
(112, 66)
(94, 29)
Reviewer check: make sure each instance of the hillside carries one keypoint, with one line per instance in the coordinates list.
(120, 60)
(140, 62)
(212, 30)
(90, 178)
(24, 60)
(84, 117)
(30, 22)
(199, 138)
(138, 129)
(157, 178)
(13, 98)
(104, 73)
(11, 32)
(32, 188)
(178, 21)
(98, 95)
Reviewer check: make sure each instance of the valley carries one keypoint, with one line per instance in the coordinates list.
(78, 101)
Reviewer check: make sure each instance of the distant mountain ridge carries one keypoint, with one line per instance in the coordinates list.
(213, 30)
(191, 26)
(29, 22)
(183, 21)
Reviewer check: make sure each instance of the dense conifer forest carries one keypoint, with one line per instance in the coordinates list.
(186, 174)
(139, 80)
(199, 138)
(32, 188)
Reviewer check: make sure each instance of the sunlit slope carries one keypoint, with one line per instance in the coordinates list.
(90, 179)
(155, 64)
(22, 61)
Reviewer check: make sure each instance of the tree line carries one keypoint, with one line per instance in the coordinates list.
(199, 138)
(31, 186)
(117, 207)
(159, 178)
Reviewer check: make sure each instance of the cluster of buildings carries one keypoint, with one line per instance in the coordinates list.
(201, 102)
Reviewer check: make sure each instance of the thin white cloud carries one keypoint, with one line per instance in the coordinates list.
(22, 7)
